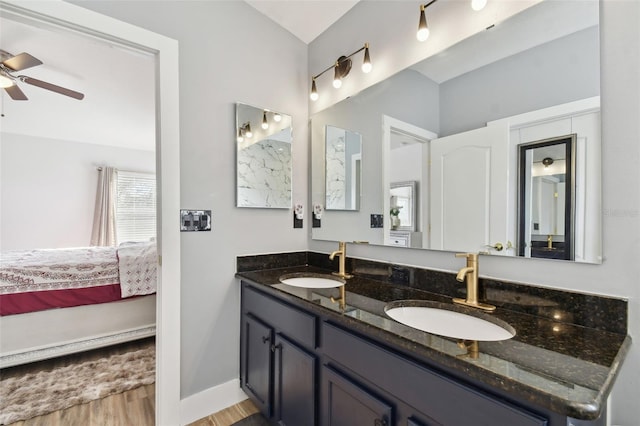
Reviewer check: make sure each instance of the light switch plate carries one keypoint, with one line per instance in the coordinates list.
(195, 220)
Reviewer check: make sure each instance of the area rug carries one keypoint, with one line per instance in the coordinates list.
(36, 394)
(253, 420)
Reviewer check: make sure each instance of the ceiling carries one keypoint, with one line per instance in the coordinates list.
(304, 19)
(118, 82)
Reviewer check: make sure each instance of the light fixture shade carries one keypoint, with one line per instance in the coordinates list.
(366, 64)
(314, 90)
(423, 30)
(337, 77)
(5, 82)
(265, 123)
(240, 138)
(247, 130)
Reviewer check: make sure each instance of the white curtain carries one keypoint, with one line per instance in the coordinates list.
(104, 216)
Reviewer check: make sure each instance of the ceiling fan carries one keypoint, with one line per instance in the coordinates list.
(11, 64)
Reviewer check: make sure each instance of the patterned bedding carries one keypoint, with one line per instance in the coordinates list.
(32, 280)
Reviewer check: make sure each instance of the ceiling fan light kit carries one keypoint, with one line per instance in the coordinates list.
(8, 80)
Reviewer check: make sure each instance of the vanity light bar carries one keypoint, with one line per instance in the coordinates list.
(423, 28)
(341, 69)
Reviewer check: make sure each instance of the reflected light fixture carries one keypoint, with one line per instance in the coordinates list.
(423, 29)
(277, 117)
(244, 131)
(265, 123)
(341, 69)
(547, 162)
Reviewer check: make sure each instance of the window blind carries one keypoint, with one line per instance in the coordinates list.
(136, 206)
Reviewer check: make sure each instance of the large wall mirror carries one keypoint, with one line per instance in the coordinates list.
(263, 159)
(454, 125)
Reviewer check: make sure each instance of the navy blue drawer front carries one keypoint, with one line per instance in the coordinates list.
(444, 400)
(346, 403)
(294, 323)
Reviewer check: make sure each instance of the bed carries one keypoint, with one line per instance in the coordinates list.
(60, 301)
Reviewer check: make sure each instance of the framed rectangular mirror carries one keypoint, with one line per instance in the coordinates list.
(546, 198)
(263, 158)
(403, 201)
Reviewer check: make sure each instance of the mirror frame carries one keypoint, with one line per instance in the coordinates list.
(569, 203)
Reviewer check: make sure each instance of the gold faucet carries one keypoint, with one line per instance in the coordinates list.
(549, 241)
(470, 272)
(342, 254)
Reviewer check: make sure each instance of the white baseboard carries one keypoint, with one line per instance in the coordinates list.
(209, 401)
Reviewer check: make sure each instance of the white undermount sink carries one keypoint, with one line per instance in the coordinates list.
(449, 323)
(312, 281)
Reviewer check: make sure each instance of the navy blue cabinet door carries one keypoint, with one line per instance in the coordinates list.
(255, 363)
(295, 378)
(345, 403)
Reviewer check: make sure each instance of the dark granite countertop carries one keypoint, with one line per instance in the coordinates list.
(564, 367)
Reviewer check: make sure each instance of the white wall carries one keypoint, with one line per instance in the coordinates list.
(48, 188)
(392, 38)
(229, 53)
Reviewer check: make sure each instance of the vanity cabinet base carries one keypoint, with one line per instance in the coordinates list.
(318, 371)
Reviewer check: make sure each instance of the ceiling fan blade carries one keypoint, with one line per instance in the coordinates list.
(52, 87)
(21, 62)
(15, 93)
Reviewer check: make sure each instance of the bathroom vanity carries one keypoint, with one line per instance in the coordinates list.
(306, 360)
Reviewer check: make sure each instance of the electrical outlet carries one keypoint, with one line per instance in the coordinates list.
(377, 221)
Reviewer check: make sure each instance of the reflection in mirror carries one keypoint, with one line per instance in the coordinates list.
(263, 162)
(528, 85)
(546, 197)
(343, 154)
(403, 202)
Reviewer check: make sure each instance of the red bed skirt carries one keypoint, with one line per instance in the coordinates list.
(21, 303)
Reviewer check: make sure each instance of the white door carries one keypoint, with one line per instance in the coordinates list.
(469, 175)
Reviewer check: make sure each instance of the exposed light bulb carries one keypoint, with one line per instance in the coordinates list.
(314, 91)
(240, 138)
(265, 123)
(423, 30)
(422, 34)
(366, 65)
(478, 4)
(337, 80)
(247, 131)
(277, 117)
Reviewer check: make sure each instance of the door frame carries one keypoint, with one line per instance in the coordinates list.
(165, 50)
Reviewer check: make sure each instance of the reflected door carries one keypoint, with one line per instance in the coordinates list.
(469, 173)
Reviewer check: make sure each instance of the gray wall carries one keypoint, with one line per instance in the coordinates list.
(534, 79)
(48, 189)
(229, 53)
(620, 92)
